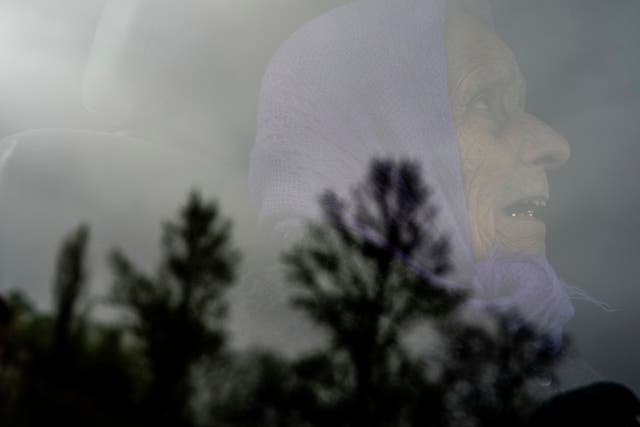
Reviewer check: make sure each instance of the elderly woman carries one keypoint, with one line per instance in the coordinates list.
(428, 80)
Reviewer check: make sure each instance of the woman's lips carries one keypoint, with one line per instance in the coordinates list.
(521, 226)
(527, 208)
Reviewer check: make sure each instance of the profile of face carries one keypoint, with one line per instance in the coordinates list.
(505, 152)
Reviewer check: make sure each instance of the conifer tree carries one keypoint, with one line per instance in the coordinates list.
(177, 314)
(368, 275)
(68, 287)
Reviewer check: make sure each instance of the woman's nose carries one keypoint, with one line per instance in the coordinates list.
(542, 146)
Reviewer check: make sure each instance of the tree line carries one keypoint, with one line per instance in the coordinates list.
(370, 274)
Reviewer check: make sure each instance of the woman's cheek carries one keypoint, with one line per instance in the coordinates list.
(479, 198)
(481, 182)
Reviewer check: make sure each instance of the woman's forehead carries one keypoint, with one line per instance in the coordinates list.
(470, 42)
(480, 9)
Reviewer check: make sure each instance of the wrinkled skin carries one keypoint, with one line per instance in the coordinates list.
(505, 151)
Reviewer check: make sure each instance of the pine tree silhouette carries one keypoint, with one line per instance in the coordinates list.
(368, 276)
(68, 287)
(177, 315)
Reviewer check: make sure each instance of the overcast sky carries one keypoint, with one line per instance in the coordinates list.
(116, 111)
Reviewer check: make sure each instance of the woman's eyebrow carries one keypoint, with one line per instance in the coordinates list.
(485, 74)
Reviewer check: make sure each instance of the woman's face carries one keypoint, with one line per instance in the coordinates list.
(505, 151)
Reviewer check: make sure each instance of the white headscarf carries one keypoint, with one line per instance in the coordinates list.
(369, 79)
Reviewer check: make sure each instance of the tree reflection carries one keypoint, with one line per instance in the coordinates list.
(372, 275)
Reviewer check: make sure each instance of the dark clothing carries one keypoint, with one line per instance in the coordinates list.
(603, 404)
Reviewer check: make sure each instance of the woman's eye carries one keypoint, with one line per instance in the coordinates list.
(490, 106)
(481, 103)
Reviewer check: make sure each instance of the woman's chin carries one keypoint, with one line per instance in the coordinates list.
(522, 234)
(516, 234)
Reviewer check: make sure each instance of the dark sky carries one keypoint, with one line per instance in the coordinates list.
(177, 108)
